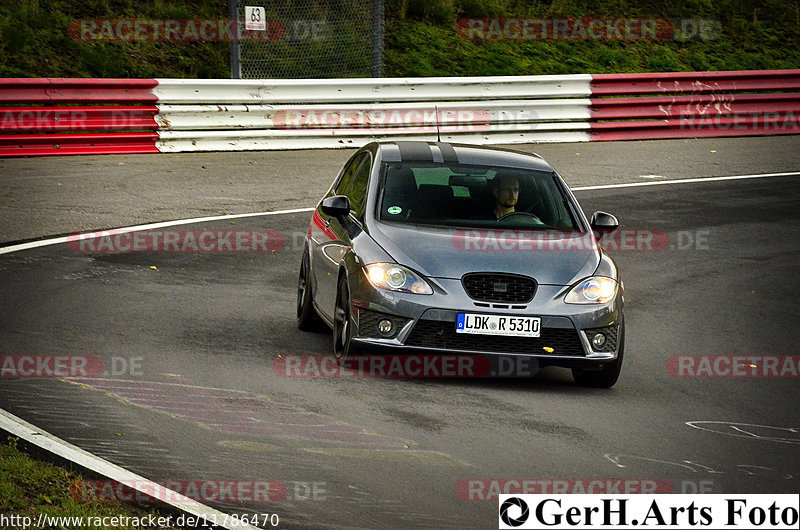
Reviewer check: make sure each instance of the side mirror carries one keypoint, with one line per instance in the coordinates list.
(603, 222)
(337, 206)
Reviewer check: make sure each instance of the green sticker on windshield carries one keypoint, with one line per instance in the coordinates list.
(394, 210)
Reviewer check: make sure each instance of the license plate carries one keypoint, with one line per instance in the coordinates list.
(505, 325)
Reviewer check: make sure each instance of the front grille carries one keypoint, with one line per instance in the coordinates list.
(611, 337)
(442, 335)
(499, 287)
(368, 324)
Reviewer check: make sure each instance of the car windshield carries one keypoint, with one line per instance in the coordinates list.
(472, 196)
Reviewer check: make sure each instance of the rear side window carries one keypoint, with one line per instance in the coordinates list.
(358, 188)
(349, 174)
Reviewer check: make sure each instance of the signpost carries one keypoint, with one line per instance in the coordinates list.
(255, 18)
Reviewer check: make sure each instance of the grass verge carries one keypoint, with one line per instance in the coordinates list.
(31, 487)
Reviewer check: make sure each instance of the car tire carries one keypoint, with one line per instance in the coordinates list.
(307, 317)
(607, 376)
(342, 323)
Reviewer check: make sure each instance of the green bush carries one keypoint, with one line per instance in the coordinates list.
(420, 39)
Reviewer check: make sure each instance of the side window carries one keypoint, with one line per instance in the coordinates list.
(358, 189)
(349, 173)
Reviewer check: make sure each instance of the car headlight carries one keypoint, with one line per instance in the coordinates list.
(594, 290)
(393, 277)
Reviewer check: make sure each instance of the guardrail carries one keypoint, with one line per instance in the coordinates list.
(121, 120)
(695, 104)
(78, 116)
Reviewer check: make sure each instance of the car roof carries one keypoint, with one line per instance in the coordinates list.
(447, 153)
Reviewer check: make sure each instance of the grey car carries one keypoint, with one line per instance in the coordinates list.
(430, 248)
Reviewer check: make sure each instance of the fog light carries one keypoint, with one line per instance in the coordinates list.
(385, 327)
(598, 341)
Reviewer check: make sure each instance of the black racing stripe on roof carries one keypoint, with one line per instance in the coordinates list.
(416, 151)
(448, 153)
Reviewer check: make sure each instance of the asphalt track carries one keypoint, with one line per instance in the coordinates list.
(58, 195)
(191, 339)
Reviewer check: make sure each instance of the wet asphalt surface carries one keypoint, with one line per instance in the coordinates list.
(189, 342)
(59, 195)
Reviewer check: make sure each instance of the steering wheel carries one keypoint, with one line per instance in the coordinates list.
(526, 214)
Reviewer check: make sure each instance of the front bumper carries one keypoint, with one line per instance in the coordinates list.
(425, 324)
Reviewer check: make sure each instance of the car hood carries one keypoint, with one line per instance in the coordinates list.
(551, 258)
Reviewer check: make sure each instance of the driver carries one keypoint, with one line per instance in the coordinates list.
(505, 189)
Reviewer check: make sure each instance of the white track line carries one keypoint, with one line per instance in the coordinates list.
(32, 434)
(152, 226)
